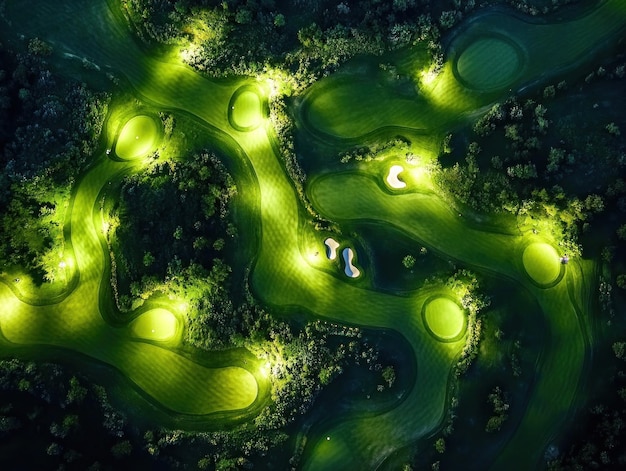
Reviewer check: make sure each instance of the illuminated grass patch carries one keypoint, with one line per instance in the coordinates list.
(156, 324)
(444, 318)
(489, 62)
(542, 263)
(137, 138)
(333, 452)
(181, 385)
(356, 107)
(245, 110)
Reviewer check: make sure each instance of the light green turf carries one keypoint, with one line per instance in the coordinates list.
(354, 108)
(138, 137)
(155, 324)
(489, 63)
(246, 110)
(542, 263)
(445, 318)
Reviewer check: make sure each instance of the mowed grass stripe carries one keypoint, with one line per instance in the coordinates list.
(425, 216)
(489, 62)
(549, 48)
(182, 385)
(349, 109)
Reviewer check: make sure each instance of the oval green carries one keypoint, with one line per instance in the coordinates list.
(157, 324)
(137, 137)
(246, 110)
(444, 318)
(488, 63)
(542, 263)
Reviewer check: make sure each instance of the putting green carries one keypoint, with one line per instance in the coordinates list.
(245, 111)
(489, 62)
(542, 263)
(137, 138)
(444, 318)
(156, 324)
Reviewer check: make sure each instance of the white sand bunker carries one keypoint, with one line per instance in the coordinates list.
(350, 270)
(331, 248)
(392, 178)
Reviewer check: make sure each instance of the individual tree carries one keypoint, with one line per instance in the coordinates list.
(121, 449)
(408, 261)
(619, 349)
(389, 375)
(440, 445)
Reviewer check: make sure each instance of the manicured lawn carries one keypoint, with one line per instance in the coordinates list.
(444, 318)
(246, 109)
(137, 138)
(156, 324)
(542, 263)
(489, 63)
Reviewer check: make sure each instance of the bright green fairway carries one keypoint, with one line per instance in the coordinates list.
(137, 138)
(542, 263)
(444, 318)
(156, 324)
(489, 63)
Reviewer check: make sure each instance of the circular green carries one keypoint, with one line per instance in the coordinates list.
(489, 62)
(246, 109)
(542, 263)
(156, 324)
(444, 318)
(137, 138)
(247, 112)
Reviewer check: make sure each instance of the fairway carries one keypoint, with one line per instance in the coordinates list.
(444, 318)
(489, 63)
(138, 137)
(356, 108)
(542, 263)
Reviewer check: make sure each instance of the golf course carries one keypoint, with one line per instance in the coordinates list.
(298, 267)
